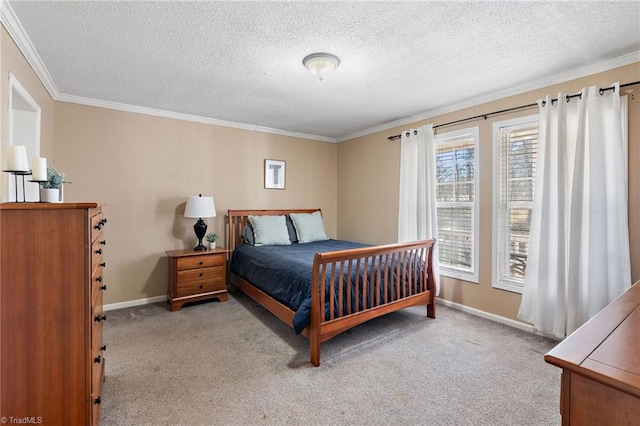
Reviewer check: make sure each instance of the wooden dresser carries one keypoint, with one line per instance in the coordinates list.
(601, 366)
(51, 290)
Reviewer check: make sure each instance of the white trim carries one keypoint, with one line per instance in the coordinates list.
(19, 36)
(569, 75)
(508, 285)
(14, 83)
(187, 117)
(35, 124)
(486, 315)
(131, 303)
(447, 137)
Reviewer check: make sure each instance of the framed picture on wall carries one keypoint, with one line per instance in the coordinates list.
(274, 174)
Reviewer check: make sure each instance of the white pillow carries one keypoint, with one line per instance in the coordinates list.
(270, 230)
(309, 227)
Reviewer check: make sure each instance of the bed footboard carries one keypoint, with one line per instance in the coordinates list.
(360, 284)
(350, 287)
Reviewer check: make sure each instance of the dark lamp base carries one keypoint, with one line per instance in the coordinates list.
(200, 229)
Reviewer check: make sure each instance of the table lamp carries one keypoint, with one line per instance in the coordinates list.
(199, 207)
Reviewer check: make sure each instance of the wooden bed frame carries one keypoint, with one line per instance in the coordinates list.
(399, 258)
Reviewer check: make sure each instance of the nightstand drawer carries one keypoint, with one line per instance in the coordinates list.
(201, 286)
(200, 274)
(194, 262)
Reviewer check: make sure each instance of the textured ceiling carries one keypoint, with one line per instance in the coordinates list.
(241, 62)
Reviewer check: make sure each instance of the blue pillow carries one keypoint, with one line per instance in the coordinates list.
(270, 230)
(309, 227)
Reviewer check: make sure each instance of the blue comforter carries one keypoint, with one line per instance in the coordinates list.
(284, 272)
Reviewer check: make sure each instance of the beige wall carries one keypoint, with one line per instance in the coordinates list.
(12, 61)
(368, 170)
(143, 167)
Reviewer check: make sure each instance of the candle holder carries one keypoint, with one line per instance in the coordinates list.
(15, 174)
(39, 192)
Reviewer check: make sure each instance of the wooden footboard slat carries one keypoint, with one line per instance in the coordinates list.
(349, 285)
(358, 284)
(377, 289)
(357, 288)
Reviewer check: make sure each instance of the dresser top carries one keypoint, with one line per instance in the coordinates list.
(607, 347)
(48, 206)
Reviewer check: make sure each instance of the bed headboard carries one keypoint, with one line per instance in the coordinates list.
(238, 218)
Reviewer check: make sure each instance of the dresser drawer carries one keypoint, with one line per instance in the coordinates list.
(98, 287)
(97, 249)
(97, 379)
(97, 222)
(194, 262)
(201, 286)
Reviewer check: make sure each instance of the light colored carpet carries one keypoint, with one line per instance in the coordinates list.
(236, 364)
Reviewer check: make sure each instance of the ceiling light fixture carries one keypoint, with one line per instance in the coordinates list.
(321, 64)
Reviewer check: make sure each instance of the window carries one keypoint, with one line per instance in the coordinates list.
(515, 146)
(456, 183)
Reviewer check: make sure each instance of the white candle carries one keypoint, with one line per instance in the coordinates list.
(17, 159)
(39, 168)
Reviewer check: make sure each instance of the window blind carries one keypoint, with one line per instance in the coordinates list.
(455, 196)
(517, 168)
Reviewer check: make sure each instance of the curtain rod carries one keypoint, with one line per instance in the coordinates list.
(502, 111)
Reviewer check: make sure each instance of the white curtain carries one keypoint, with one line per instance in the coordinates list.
(578, 259)
(417, 213)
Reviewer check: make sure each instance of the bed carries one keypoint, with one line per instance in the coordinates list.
(360, 282)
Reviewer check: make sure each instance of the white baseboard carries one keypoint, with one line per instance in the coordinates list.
(454, 305)
(137, 302)
(497, 318)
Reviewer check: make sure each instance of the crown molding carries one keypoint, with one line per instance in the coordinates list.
(17, 33)
(187, 117)
(19, 36)
(574, 74)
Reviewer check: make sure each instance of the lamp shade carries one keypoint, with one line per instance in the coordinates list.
(199, 206)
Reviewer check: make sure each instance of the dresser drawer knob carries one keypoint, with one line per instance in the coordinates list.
(99, 279)
(201, 274)
(99, 251)
(103, 221)
(98, 226)
(201, 286)
(97, 359)
(103, 287)
(103, 242)
(201, 263)
(97, 400)
(99, 318)
(103, 264)
(103, 348)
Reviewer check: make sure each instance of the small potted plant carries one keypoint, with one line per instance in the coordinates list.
(50, 190)
(211, 238)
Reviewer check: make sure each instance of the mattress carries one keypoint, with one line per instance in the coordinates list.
(284, 272)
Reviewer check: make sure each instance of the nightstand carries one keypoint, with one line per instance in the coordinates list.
(197, 275)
